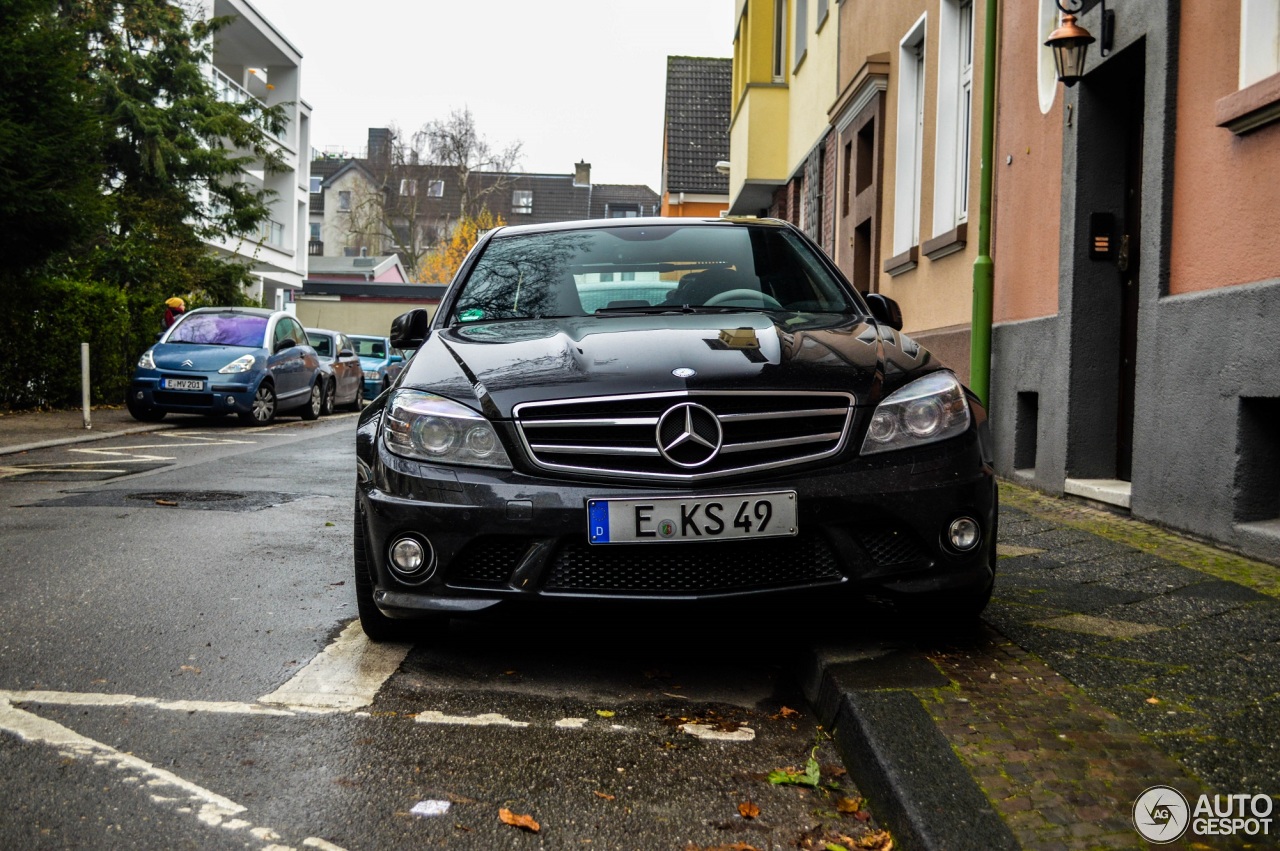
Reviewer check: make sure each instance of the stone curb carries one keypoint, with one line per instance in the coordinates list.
(84, 438)
(897, 756)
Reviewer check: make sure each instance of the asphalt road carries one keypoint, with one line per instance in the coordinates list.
(179, 669)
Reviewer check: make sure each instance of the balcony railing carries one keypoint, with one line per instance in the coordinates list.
(272, 233)
(229, 91)
(315, 248)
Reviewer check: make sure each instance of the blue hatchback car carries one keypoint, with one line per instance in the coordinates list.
(380, 362)
(218, 360)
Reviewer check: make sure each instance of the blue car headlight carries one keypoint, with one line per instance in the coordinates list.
(428, 427)
(927, 410)
(240, 364)
(147, 361)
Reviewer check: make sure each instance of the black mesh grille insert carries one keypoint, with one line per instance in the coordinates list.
(488, 561)
(672, 569)
(890, 546)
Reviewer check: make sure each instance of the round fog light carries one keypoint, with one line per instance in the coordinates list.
(410, 559)
(231, 401)
(964, 533)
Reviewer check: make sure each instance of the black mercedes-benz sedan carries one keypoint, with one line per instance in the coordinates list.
(666, 409)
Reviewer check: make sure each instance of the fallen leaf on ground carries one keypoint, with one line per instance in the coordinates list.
(605, 713)
(522, 821)
(736, 846)
(192, 668)
(848, 805)
(606, 796)
(878, 841)
(1153, 700)
(794, 777)
(788, 712)
(165, 502)
(748, 810)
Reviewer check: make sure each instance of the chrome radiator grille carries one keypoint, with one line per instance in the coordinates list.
(685, 436)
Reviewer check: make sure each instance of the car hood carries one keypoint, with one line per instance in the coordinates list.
(500, 364)
(190, 357)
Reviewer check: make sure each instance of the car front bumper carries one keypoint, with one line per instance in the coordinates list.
(222, 394)
(875, 523)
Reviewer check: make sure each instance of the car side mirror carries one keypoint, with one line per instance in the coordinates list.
(286, 343)
(346, 353)
(885, 310)
(395, 359)
(410, 330)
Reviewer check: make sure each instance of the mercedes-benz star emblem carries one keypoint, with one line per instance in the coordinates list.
(188, 362)
(689, 435)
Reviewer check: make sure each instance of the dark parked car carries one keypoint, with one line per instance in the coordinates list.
(754, 426)
(343, 376)
(219, 360)
(381, 361)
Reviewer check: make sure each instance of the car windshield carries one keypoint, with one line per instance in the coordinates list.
(322, 343)
(639, 269)
(370, 348)
(220, 329)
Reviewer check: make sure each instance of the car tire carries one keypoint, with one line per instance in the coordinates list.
(143, 414)
(330, 398)
(315, 402)
(358, 403)
(378, 627)
(262, 411)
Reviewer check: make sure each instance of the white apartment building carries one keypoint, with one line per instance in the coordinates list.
(252, 59)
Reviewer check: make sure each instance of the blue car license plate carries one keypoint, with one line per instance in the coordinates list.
(681, 519)
(182, 384)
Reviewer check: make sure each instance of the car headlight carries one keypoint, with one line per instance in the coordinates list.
(370, 375)
(240, 364)
(927, 410)
(428, 427)
(147, 361)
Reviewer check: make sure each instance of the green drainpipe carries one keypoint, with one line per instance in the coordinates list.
(983, 267)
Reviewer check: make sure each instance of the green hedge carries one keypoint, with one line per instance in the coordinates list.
(40, 336)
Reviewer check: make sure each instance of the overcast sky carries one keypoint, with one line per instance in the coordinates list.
(569, 79)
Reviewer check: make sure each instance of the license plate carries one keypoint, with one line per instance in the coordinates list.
(182, 384)
(677, 519)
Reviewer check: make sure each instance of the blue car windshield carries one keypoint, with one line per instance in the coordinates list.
(221, 329)
(370, 348)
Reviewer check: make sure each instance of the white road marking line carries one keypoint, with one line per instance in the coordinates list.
(214, 809)
(488, 719)
(346, 675)
(65, 698)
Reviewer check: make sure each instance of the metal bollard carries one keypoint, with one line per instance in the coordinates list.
(84, 384)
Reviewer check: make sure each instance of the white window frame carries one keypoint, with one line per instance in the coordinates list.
(910, 141)
(522, 202)
(801, 33)
(408, 187)
(344, 200)
(954, 129)
(1046, 71)
(1259, 40)
(435, 189)
(779, 40)
(315, 183)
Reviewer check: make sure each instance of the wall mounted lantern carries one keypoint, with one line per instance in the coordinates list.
(1070, 41)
